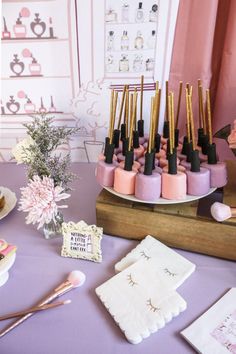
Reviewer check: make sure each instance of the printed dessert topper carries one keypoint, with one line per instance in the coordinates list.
(82, 241)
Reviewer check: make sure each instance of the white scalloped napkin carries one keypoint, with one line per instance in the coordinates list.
(171, 266)
(139, 301)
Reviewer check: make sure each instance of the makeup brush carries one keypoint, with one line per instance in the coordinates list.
(129, 157)
(116, 132)
(141, 121)
(109, 149)
(211, 153)
(34, 309)
(157, 137)
(177, 115)
(75, 279)
(116, 136)
(123, 126)
(221, 212)
(200, 124)
(205, 137)
(166, 122)
(189, 145)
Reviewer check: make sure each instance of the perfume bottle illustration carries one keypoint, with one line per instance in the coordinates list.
(150, 64)
(153, 13)
(138, 63)
(51, 33)
(5, 33)
(42, 109)
(38, 27)
(124, 41)
(34, 67)
(152, 40)
(138, 43)
(110, 65)
(16, 65)
(139, 17)
(52, 108)
(125, 13)
(110, 41)
(124, 63)
(19, 29)
(2, 109)
(29, 107)
(12, 105)
(111, 16)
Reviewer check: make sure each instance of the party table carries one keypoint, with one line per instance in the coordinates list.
(84, 326)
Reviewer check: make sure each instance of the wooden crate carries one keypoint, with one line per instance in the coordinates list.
(175, 225)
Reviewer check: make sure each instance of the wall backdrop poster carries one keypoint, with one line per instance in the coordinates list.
(63, 56)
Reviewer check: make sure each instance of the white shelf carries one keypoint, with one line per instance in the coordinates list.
(130, 23)
(30, 77)
(33, 39)
(136, 51)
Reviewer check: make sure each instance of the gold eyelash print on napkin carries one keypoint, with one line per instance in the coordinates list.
(151, 306)
(167, 271)
(131, 281)
(144, 255)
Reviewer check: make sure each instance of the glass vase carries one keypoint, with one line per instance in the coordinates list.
(54, 228)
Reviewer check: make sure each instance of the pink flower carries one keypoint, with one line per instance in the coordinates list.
(39, 200)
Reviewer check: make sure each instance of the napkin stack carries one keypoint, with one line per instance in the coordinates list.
(142, 297)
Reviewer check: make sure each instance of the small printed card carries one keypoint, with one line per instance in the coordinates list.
(139, 301)
(215, 331)
(82, 241)
(173, 268)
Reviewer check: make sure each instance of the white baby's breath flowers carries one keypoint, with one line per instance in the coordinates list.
(21, 151)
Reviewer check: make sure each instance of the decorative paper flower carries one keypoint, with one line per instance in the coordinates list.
(25, 12)
(26, 53)
(21, 151)
(40, 199)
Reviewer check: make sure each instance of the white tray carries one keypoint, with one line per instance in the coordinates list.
(189, 198)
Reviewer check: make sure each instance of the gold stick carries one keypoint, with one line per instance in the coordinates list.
(172, 120)
(158, 109)
(135, 117)
(121, 106)
(167, 102)
(187, 110)
(111, 116)
(157, 86)
(170, 124)
(199, 104)
(191, 121)
(202, 110)
(151, 126)
(114, 115)
(134, 98)
(179, 102)
(141, 98)
(127, 112)
(209, 115)
(154, 117)
(188, 88)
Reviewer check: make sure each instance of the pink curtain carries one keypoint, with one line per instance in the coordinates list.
(205, 48)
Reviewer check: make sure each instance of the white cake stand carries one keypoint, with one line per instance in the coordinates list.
(5, 265)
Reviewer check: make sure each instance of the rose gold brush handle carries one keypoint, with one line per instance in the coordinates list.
(62, 289)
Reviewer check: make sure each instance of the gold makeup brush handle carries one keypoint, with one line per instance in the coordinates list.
(62, 289)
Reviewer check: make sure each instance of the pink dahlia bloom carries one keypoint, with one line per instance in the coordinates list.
(40, 199)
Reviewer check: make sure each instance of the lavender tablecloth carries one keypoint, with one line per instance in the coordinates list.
(84, 326)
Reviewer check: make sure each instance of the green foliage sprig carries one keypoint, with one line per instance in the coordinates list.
(41, 156)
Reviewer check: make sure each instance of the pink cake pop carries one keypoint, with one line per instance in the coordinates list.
(218, 170)
(106, 169)
(198, 179)
(148, 184)
(173, 183)
(124, 179)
